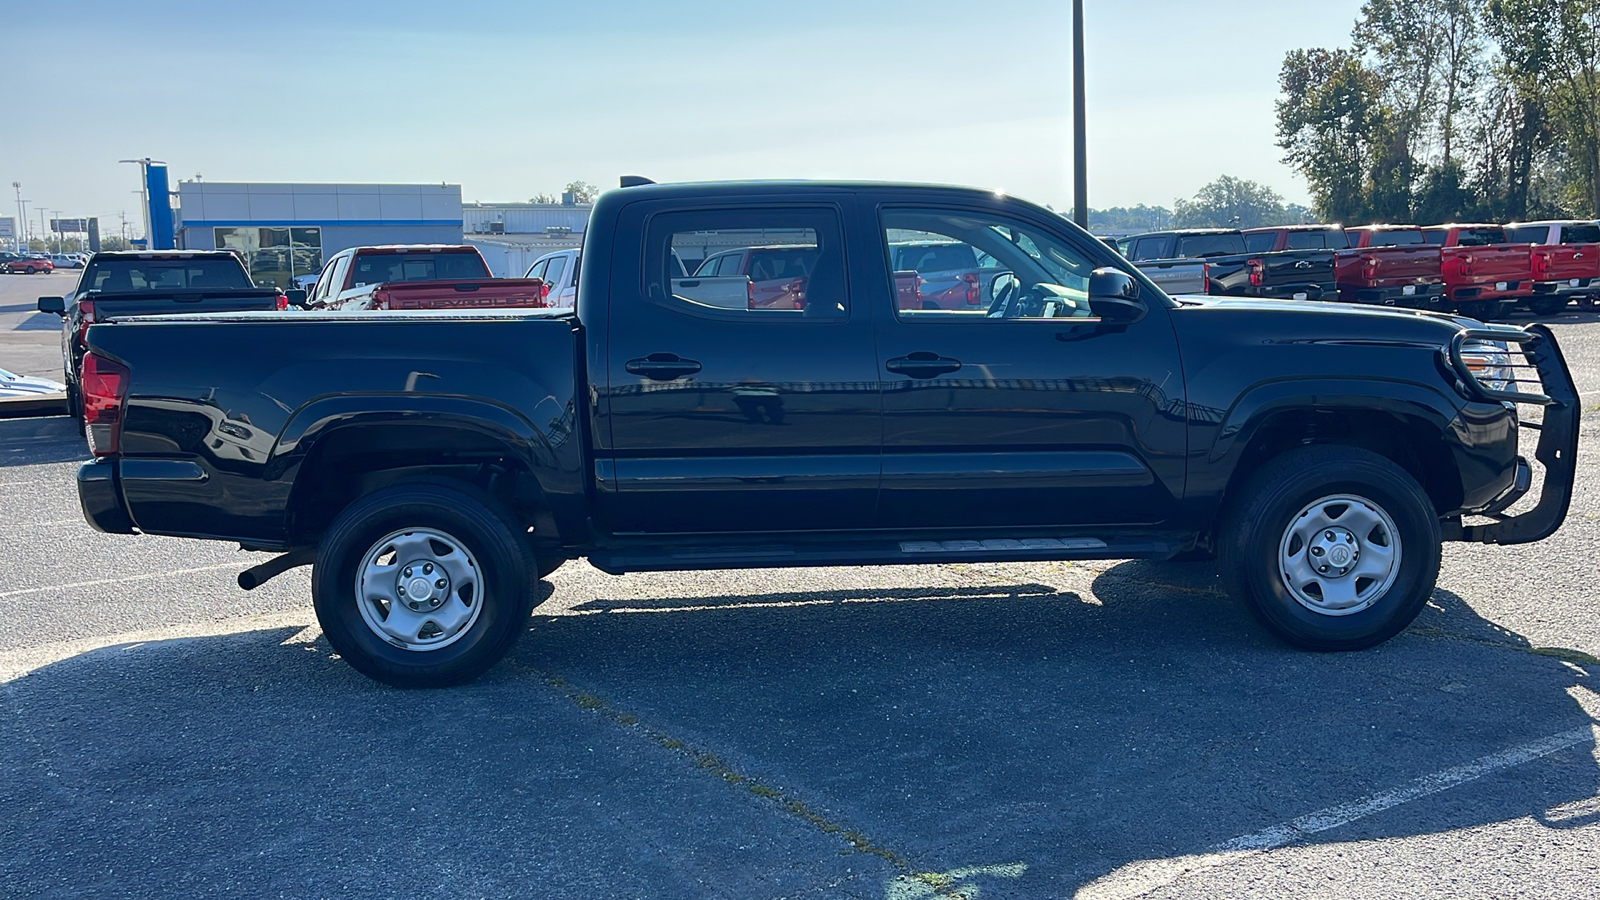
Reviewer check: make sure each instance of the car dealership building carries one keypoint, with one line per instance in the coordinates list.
(285, 231)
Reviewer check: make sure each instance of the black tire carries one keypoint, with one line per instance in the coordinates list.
(1548, 306)
(1256, 528)
(504, 560)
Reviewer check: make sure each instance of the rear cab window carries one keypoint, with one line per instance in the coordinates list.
(1398, 237)
(1316, 240)
(1580, 234)
(1480, 237)
(1261, 242)
(1200, 246)
(383, 268)
(115, 276)
(1527, 234)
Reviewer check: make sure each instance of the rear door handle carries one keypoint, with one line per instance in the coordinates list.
(922, 364)
(662, 366)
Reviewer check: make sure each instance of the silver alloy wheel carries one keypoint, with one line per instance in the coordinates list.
(1339, 555)
(419, 589)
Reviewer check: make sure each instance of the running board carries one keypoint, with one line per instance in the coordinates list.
(657, 558)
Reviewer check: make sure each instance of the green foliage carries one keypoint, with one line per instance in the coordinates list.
(1230, 202)
(1450, 109)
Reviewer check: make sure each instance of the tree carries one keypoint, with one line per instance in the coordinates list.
(1230, 202)
(583, 191)
(1129, 218)
(1553, 47)
(1329, 123)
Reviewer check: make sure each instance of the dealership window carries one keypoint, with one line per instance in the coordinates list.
(275, 256)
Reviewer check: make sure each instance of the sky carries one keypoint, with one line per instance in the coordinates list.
(513, 99)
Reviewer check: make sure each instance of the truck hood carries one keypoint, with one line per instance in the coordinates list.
(1303, 320)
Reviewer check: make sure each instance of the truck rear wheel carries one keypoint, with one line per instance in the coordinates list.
(1332, 548)
(423, 585)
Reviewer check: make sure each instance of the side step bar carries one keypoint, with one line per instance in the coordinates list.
(643, 557)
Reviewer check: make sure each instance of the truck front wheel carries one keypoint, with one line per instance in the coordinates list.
(1332, 548)
(423, 585)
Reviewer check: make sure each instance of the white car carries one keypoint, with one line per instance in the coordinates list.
(14, 385)
(67, 260)
(560, 271)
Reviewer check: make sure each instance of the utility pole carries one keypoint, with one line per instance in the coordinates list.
(23, 227)
(22, 215)
(1080, 167)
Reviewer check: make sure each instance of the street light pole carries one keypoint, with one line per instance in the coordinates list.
(1080, 166)
(144, 188)
(22, 216)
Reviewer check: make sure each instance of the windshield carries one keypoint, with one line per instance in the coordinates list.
(113, 276)
(1198, 246)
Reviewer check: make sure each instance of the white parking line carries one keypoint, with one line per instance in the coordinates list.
(1141, 878)
(78, 584)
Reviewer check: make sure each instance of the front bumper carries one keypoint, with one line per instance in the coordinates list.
(101, 497)
(1558, 435)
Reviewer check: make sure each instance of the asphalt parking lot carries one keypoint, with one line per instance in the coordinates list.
(1105, 730)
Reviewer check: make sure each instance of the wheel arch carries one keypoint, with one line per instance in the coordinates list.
(342, 449)
(1401, 421)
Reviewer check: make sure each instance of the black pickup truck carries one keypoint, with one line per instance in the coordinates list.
(433, 465)
(1219, 259)
(151, 283)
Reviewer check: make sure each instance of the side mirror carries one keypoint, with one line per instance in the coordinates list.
(57, 305)
(1114, 297)
(297, 296)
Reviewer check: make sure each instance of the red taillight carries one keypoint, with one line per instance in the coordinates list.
(1541, 265)
(750, 294)
(283, 301)
(104, 385)
(1258, 272)
(85, 319)
(1205, 277)
(1369, 268)
(971, 278)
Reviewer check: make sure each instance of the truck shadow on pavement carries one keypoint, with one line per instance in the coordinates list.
(1023, 740)
(32, 441)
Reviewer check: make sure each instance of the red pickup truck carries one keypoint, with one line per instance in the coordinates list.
(1566, 263)
(1485, 275)
(1386, 265)
(425, 276)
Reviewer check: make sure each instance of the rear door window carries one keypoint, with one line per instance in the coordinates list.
(558, 265)
(793, 261)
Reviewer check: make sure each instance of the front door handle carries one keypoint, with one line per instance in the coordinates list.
(662, 366)
(922, 364)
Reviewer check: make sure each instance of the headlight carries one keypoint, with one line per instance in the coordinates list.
(1490, 363)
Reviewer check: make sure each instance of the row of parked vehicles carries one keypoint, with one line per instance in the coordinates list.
(1481, 271)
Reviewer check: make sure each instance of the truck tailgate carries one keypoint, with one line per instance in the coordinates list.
(1563, 262)
(1389, 266)
(485, 293)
